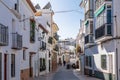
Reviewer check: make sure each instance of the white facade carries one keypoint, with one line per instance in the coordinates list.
(45, 22)
(18, 16)
(102, 57)
(6, 10)
(80, 44)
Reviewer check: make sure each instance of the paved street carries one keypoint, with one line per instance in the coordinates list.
(65, 74)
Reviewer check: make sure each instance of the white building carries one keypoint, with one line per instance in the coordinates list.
(44, 21)
(80, 45)
(10, 47)
(102, 55)
(19, 40)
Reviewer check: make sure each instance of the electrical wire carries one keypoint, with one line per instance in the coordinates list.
(67, 11)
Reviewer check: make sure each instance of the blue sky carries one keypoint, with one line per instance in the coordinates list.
(69, 22)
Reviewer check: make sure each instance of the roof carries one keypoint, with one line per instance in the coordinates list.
(47, 6)
(31, 5)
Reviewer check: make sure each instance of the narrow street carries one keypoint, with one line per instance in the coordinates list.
(65, 74)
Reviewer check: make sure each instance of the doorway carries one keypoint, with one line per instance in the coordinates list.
(30, 65)
(5, 66)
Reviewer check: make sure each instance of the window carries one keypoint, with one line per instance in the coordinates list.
(13, 65)
(109, 16)
(100, 20)
(32, 31)
(24, 54)
(42, 64)
(89, 61)
(3, 35)
(103, 61)
(91, 26)
(86, 60)
(0, 66)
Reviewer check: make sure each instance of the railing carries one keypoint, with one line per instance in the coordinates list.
(56, 48)
(3, 35)
(104, 30)
(50, 40)
(89, 14)
(56, 36)
(16, 41)
(98, 3)
(89, 38)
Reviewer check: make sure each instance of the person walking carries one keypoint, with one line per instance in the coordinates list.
(64, 62)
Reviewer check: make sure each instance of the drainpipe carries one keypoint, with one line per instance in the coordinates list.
(116, 48)
(117, 61)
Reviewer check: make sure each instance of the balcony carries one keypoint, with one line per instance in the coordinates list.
(104, 32)
(56, 36)
(89, 14)
(50, 40)
(3, 35)
(89, 39)
(16, 41)
(43, 46)
(98, 3)
(56, 48)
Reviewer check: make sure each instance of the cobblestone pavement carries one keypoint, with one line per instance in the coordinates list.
(64, 74)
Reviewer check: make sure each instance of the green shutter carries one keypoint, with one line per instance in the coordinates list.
(100, 11)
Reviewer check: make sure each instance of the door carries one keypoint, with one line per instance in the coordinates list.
(5, 66)
(49, 65)
(111, 66)
(30, 65)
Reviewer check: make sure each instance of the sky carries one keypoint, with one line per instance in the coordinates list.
(69, 22)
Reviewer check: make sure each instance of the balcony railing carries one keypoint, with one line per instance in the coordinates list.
(16, 41)
(56, 48)
(56, 36)
(98, 3)
(89, 38)
(103, 31)
(89, 14)
(50, 40)
(3, 35)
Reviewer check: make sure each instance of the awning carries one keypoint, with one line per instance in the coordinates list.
(100, 11)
